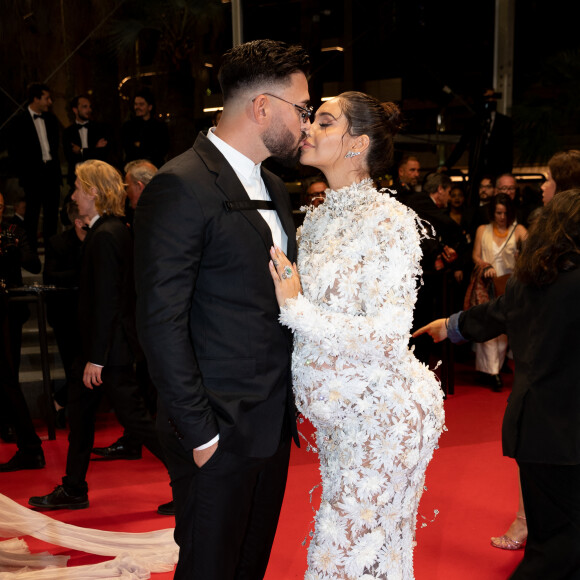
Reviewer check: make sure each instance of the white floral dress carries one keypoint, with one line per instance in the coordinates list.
(378, 411)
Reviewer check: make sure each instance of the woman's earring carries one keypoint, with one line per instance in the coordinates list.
(351, 154)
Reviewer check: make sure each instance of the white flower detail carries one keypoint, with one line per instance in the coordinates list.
(377, 410)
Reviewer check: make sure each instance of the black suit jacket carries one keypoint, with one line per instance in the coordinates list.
(447, 232)
(62, 260)
(145, 140)
(207, 313)
(70, 136)
(542, 419)
(25, 150)
(107, 296)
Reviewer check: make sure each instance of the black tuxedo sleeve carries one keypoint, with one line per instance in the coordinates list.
(485, 321)
(169, 244)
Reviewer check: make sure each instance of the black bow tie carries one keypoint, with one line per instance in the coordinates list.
(82, 125)
(86, 228)
(35, 116)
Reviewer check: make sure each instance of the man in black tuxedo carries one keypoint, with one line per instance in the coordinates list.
(62, 267)
(85, 138)
(439, 255)
(107, 317)
(145, 136)
(208, 317)
(33, 147)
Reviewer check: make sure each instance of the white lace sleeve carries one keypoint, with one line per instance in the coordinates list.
(352, 324)
(362, 309)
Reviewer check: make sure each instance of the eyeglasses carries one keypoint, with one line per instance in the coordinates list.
(507, 188)
(305, 112)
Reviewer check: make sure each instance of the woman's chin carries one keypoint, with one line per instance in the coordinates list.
(305, 157)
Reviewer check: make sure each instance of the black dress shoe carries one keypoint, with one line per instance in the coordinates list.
(60, 499)
(166, 509)
(496, 383)
(118, 451)
(22, 460)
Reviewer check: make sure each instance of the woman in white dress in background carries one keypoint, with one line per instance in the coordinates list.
(377, 410)
(494, 251)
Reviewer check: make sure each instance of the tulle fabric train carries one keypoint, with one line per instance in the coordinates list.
(136, 555)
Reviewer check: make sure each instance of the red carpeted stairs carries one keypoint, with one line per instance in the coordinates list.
(471, 485)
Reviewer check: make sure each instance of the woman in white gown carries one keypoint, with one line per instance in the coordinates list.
(495, 250)
(378, 411)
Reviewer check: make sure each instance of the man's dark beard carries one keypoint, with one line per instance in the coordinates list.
(282, 146)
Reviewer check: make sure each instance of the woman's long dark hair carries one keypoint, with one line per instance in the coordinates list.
(553, 242)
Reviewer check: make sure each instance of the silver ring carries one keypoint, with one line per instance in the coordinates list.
(276, 263)
(287, 272)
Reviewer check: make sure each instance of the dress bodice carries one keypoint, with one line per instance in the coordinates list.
(359, 262)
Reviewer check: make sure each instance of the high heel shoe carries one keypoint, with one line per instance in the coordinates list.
(506, 543)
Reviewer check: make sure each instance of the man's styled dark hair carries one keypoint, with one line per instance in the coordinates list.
(146, 94)
(434, 180)
(259, 62)
(35, 90)
(75, 100)
(405, 159)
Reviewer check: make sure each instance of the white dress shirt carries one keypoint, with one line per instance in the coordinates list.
(42, 136)
(83, 134)
(251, 178)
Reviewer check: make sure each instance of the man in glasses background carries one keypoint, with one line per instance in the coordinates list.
(208, 315)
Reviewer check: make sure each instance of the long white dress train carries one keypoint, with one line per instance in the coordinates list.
(136, 555)
(378, 411)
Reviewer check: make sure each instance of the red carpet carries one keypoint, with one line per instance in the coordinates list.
(472, 486)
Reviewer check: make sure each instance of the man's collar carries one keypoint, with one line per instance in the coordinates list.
(33, 113)
(237, 160)
(93, 221)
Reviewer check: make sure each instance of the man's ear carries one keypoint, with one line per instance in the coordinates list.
(261, 110)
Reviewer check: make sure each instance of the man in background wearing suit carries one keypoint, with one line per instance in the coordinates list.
(208, 316)
(85, 138)
(108, 337)
(33, 147)
(145, 136)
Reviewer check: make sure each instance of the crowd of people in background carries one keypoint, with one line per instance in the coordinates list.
(473, 232)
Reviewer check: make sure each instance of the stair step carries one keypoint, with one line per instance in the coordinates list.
(34, 376)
